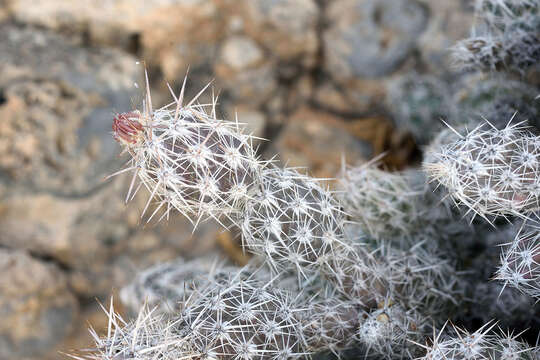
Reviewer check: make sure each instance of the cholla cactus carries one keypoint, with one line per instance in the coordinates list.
(512, 39)
(418, 103)
(520, 261)
(187, 159)
(491, 171)
(479, 345)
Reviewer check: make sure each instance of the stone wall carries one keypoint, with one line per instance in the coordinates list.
(310, 76)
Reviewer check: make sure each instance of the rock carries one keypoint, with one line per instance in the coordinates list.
(101, 251)
(244, 73)
(150, 29)
(55, 133)
(318, 141)
(286, 28)
(114, 22)
(359, 96)
(367, 39)
(240, 53)
(177, 45)
(252, 120)
(36, 306)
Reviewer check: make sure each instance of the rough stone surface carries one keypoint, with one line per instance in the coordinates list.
(55, 133)
(358, 96)
(244, 72)
(96, 237)
(36, 307)
(318, 141)
(370, 38)
(287, 28)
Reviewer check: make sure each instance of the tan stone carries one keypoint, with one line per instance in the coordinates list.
(319, 141)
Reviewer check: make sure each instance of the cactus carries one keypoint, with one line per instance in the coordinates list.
(481, 344)
(187, 158)
(292, 222)
(511, 41)
(374, 268)
(418, 104)
(497, 99)
(492, 172)
(384, 204)
(520, 260)
(237, 317)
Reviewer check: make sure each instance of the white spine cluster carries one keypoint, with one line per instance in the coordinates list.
(520, 261)
(236, 318)
(492, 172)
(390, 330)
(483, 344)
(511, 40)
(292, 222)
(188, 159)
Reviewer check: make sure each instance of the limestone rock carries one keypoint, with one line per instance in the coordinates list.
(36, 306)
(95, 237)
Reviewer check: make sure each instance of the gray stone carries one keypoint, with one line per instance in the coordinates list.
(61, 101)
(370, 38)
(36, 307)
(287, 28)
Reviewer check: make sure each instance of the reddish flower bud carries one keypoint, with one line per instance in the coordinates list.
(127, 127)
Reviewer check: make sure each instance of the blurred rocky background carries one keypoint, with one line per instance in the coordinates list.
(311, 76)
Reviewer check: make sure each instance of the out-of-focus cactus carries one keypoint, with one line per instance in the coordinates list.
(166, 285)
(402, 209)
(510, 40)
(418, 104)
(383, 203)
(330, 324)
(498, 99)
(424, 281)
